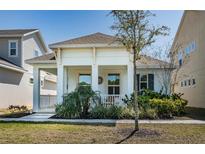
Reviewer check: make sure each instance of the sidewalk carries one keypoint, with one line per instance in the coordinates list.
(45, 118)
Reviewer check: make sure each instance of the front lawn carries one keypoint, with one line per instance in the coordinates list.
(65, 133)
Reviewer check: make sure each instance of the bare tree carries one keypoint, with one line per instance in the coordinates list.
(135, 32)
(167, 61)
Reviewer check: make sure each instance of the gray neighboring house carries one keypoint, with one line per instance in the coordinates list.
(16, 77)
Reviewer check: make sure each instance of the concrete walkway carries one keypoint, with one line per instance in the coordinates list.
(42, 117)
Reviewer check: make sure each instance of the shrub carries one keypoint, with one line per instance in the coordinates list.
(114, 112)
(164, 107)
(99, 112)
(179, 107)
(17, 108)
(77, 103)
(148, 114)
(127, 113)
(70, 108)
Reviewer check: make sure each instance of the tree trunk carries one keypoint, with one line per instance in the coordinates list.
(135, 92)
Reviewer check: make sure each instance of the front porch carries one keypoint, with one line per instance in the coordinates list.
(111, 82)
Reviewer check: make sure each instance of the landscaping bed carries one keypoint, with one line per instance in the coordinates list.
(151, 105)
(44, 133)
(15, 112)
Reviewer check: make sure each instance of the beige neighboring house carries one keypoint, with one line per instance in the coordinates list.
(16, 77)
(190, 44)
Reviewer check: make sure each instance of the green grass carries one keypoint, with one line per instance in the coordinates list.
(64, 133)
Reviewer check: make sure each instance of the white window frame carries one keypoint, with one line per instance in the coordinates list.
(108, 85)
(143, 81)
(9, 45)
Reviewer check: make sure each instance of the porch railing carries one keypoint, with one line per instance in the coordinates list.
(108, 100)
(47, 101)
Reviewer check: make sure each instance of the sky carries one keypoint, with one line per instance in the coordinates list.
(63, 25)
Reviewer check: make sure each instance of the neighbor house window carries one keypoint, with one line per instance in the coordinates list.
(193, 46)
(188, 50)
(85, 79)
(180, 58)
(193, 81)
(189, 82)
(182, 83)
(185, 83)
(35, 53)
(113, 84)
(13, 48)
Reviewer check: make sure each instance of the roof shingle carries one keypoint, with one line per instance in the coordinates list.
(46, 57)
(16, 31)
(96, 38)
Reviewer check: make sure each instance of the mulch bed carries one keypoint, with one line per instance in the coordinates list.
(141, 133)
(15, 115)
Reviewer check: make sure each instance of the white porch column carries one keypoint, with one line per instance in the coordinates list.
(95, 77)
(36, 89)
(60, 80)
(130, 78)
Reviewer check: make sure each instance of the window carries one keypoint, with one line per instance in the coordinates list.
(182, 83)
(13, 48)
(189, 82)
(85, 79)
(185, 83)
(35, 53)
(113, 84)
(180, 58)
(143, 82)
(193, 45)
(193, 81)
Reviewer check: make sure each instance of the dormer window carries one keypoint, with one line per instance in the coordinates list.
(13, 48)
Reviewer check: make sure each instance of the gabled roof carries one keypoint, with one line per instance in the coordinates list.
(22, 33)
(150, 62)
(47, 58)
(96, 38)
(8, 65)
(16, 32)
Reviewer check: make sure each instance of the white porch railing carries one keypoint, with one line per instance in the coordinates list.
(108, 100)
(47, 101)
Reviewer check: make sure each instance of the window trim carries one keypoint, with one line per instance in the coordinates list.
(9, 46)
(113, 85)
